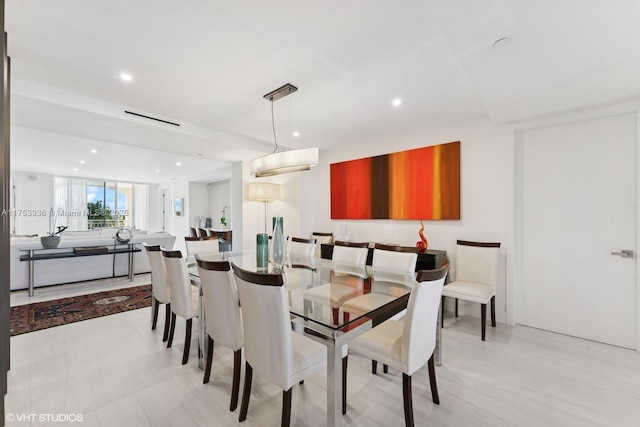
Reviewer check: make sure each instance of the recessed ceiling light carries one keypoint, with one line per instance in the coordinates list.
(396, 102)
(82, 162)
(75, 169)
(296, 134)
(126, 77)
(157, 170)
(178, 163)
(501, 42)
(141, 176)
(94, 151)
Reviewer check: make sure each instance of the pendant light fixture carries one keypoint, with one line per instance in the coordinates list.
(285, 161)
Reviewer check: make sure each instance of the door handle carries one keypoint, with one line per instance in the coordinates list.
(625, 253)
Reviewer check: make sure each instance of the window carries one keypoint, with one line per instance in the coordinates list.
(88, 204)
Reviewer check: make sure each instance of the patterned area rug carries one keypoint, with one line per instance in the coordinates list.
(42, 315)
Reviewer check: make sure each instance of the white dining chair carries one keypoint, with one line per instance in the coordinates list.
(184, 297)
(321, 239)
(476, 276)
(202, 246)
(391, 266)
(409, 345)
(300, 248)
(281, 356)
(347, 279)
(159, 287)
(223, 317)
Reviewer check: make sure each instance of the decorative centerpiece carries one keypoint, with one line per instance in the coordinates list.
(52, 239)
(422, 245)
(277, 247)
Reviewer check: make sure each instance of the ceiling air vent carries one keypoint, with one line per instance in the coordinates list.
(144, 116)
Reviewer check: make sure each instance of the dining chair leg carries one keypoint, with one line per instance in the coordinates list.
(442, 314)
(155, 308)
(187, 342)
(336, 312)
(167, 322)
(345, 361)
(483, 318)
(493, 311)
(172, 329)
(408, 400)
(246, 392)
(207, 369)
(374, 367)
(345, 317)
(432, 381)
(456, 307)
(385, 368)
(235, 388)
(286, 408)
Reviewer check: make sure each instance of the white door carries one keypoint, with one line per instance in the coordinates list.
(578, 207)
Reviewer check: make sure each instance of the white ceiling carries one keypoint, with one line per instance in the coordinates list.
(206, 65)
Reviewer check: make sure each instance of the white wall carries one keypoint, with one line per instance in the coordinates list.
(198, 201)
(486, 176)
(219, 198)
(33, 191)
(155, 208)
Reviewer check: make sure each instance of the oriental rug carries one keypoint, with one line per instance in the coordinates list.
(46, 314)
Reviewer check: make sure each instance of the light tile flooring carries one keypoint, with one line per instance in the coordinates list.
(115, 371)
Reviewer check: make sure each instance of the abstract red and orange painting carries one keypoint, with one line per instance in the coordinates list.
(423, 183)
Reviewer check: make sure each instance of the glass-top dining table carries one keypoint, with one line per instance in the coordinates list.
(316, 289)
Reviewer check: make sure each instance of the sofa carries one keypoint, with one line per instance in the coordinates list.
(75, 269)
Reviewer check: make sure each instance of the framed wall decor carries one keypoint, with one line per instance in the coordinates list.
(178, 207)
(422, 183)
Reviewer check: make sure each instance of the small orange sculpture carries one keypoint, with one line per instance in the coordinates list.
(422, 245)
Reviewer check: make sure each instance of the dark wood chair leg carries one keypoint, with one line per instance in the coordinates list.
(246, 392)
(345, 317)
(408, 400)
(345, 361)
(456, 307)
(432, 381)
(172, 329)
(207, 369)
(374, 367)
(493, 311)
(286, 408)
(187, 342)
(167, 322)
(235, 388)
(442, 314)
(336, 312)
(155, 308)
(385, 368)
(483, 318)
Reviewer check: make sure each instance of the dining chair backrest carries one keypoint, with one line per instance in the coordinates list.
(303, 248)
(321, 239)
(202, 245)
(421, 320)
(394, 264)
(203, 232)
(350, 259)
(221, 303)
(193, 232)
(179, 283)
(477, 262)
(267, 324)
(159, 285)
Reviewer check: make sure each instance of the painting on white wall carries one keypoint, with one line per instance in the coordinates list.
(178, 207)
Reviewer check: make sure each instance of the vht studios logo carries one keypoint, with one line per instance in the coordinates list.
(51, 418)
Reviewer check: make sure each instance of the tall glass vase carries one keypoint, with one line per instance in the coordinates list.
(277, 247)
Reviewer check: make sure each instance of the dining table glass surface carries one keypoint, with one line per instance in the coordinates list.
(316, 289)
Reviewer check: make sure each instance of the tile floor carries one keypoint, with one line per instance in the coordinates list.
(115, 371)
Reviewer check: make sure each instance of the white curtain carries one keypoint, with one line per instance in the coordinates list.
(141, 206)
(70, 204)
